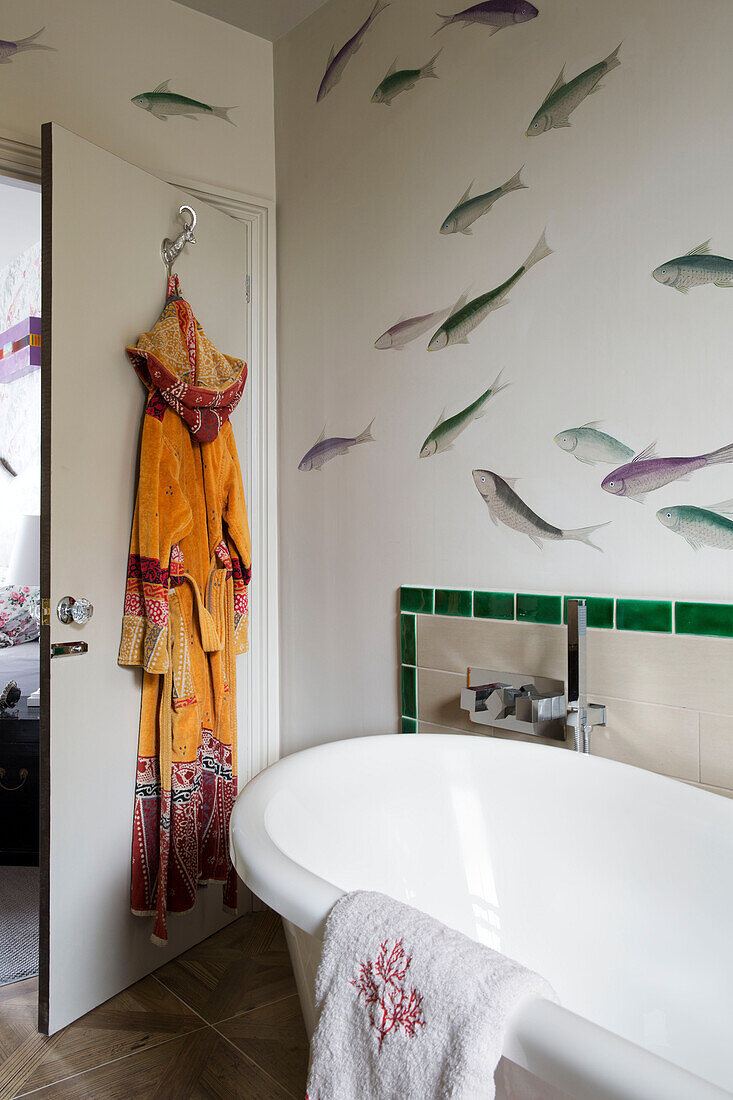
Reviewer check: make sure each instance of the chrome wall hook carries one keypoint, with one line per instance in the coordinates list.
(170, 250)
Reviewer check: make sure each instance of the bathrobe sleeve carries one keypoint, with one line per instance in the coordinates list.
(238, 539)
(162, 517)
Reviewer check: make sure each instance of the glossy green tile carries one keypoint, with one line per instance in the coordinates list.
(409, 725)
(493, 605)
(704, 618)
(650, 615)
(539, 609)
(416, 599)
(600, 611)
(409, 692)
(449, 601)
(408, 644)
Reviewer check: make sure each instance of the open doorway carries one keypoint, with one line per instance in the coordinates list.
(20, 431)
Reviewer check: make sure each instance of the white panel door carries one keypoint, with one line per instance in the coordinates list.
(104, 284)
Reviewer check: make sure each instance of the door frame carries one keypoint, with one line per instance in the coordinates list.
(21, 161)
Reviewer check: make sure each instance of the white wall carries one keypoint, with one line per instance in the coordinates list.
(641, 175)
(108, 52)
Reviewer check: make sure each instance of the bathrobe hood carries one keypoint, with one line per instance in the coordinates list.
(178, 360)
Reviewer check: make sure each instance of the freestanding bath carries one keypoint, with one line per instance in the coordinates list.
(614, 883)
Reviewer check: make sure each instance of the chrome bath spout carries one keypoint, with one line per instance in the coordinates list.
(582, 715)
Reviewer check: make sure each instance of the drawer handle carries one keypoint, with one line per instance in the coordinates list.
(23, 773)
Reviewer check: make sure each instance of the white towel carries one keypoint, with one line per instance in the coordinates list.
(408, 1009)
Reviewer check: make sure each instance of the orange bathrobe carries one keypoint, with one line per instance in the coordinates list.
(185, 614)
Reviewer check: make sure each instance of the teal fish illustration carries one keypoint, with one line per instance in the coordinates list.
(505, 506)
(467, 210)
(446, 431)
(696, 268)
(402, 80)
(590, 445)
(701, 526)
(462, 321)
(563, 98)
(8, 48)
(162, 103)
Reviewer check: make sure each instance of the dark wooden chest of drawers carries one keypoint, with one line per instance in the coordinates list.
(19, 785)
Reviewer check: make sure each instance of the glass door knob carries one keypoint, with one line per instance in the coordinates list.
(78, 611)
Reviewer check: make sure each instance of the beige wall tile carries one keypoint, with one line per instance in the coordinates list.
(454, 644)
(660, 739)
(671, 670)
(716, 750)
(438, 699)
(429, 727)
(713, 790)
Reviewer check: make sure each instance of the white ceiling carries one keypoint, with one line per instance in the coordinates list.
(266, 18)
(20, 220)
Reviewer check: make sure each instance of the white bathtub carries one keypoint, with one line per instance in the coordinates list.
(614, 883)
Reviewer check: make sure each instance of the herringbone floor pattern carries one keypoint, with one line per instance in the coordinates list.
(221, 1022)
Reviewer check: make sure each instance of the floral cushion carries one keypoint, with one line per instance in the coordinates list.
(17, 623)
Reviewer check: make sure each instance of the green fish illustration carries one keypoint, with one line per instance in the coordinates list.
(701, 526)
(161, 103)
(695, 268)
(590, 445)
(462, 321)
(402, 80)
(468, 210)
(563, 98)
(446, 431)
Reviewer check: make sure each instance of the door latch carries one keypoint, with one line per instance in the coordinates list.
(68, 649)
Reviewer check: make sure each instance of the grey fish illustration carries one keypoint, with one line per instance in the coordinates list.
(495, 14)
(9, 49)
(446, 431)
(701, 526)
(162, 103)
(647, 472)
(590, 445)
(337, 62)
(467, 210)
(323, 450)
(464, 320)
(563, 98)
(696, 268)
(506, 507)
(408, 329)
(401, 80)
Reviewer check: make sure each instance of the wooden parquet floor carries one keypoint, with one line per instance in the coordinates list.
(221, 1022)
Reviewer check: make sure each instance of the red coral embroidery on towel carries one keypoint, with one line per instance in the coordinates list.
(386, 999)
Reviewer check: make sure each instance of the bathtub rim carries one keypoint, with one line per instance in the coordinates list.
(560, 1047)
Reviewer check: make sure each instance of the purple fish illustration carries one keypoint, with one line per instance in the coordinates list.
(494, 14)
(408, 329)
(323, 450)
(647, 472)
(337, 62)
(8, 49)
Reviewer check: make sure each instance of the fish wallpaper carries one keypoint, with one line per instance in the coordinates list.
(163, 104)
(9, 49)
(406, 229)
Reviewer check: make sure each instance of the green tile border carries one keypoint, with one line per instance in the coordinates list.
(453, 601)
(408, 682)
(539, 609)
(710, 619)
(493, 605)
(713, 620)
(600, 610)
(653, 616)
(408, 639)
(416, 599)
(409, 725)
